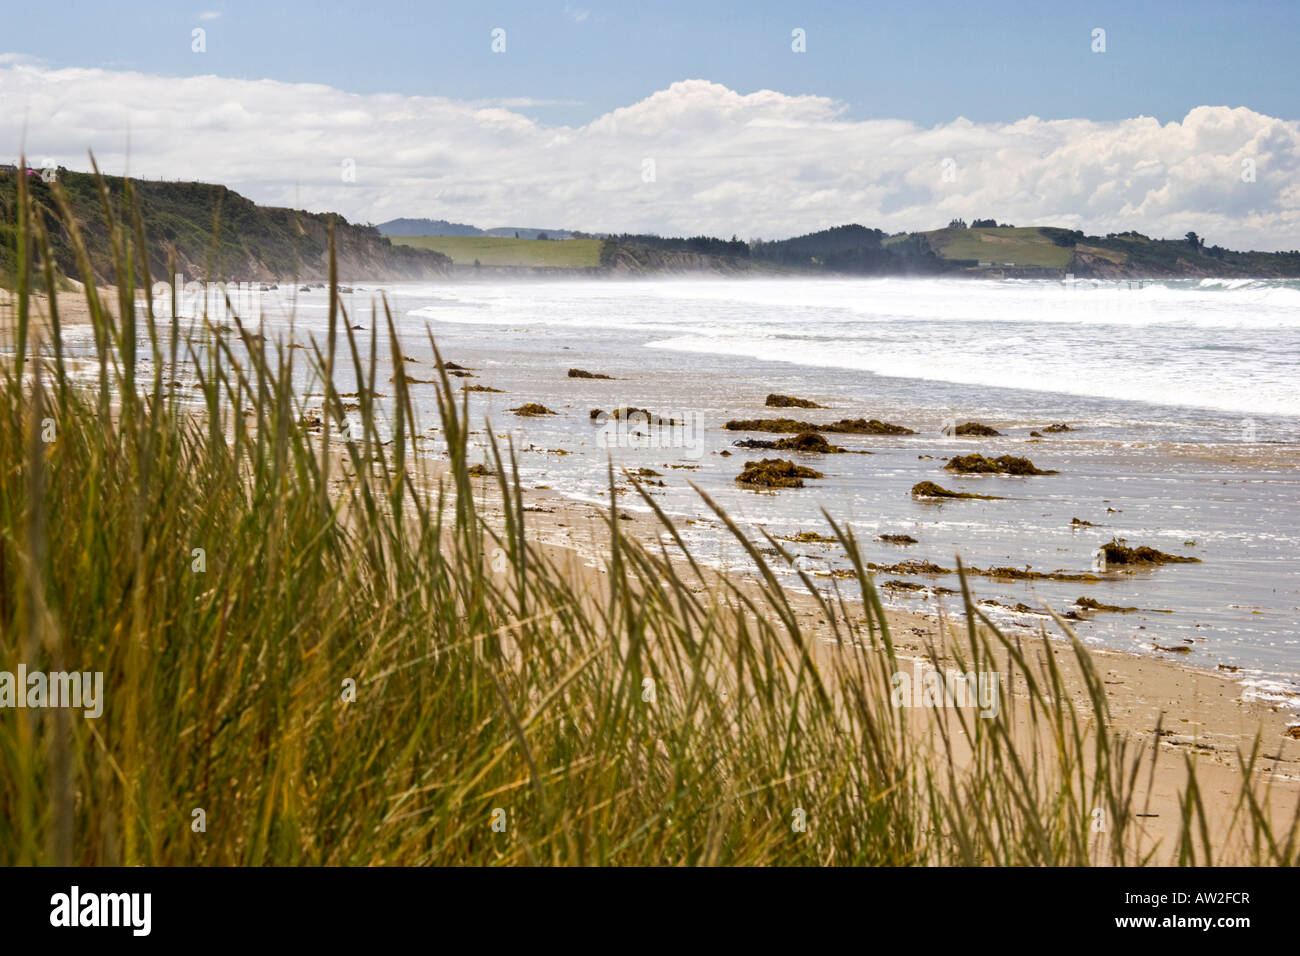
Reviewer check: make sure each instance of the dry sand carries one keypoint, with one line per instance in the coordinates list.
(72, 307)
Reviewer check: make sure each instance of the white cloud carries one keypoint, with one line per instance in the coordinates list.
(759, 164)
(575, 14)
(210, 15)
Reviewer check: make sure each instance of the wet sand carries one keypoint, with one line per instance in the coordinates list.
(1205, 718)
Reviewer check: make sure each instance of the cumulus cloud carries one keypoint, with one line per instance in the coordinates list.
(762, 164)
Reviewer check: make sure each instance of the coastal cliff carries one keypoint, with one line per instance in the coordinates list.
(213, 233)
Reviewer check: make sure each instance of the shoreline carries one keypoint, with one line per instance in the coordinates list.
(1279, 456)
(1206, 718)
(1260, 459)
(1203, 716)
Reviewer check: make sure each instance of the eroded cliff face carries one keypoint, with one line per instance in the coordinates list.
(1250, 265)
(1085, 265)
(630, 259)
(360, 256)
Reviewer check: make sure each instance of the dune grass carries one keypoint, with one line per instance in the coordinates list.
(505, 712)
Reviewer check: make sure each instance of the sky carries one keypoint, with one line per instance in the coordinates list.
(685, 117)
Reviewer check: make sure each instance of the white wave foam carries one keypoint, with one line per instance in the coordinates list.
(1225, 344)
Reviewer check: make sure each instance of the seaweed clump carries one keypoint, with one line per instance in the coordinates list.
(1020, 606)
(1092, 604)
(928, 489)
(845, 426)
(859, 426)
(910, 567)
(789, 401)
(481, 388)
(1058, 428)
(647, 476)
(778, 425)
(978, 430)
(531, 410)
(809, 443)
(583, 373)
(1002, 465)
(775, 473)
(896, 539)
(1024, 574)
(808, 537)
(1117, 551)
(624, 413)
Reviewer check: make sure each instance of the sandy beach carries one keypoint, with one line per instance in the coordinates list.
(1207, 719)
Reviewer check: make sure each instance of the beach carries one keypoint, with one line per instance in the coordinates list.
(1187, 480)
(1204, 706)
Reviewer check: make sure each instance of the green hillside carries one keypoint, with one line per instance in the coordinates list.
(213, 232)
(500, 251)
(1021, 247)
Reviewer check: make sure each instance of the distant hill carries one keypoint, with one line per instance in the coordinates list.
(427, 227)
(441, 227)
(852, 249)
(985, 248)
(529, 232)
(1053, 251)
(252, 243)
(511, 253)
(261, 243)
(492, 255)
(1025, 252)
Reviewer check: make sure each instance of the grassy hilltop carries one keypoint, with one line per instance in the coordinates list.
(999, 246)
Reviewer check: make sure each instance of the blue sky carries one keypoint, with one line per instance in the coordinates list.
(924, 62)
(685, 118)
